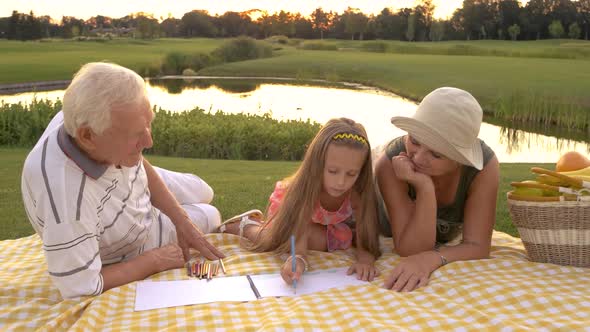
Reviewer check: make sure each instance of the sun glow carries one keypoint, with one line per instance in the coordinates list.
(161, 10)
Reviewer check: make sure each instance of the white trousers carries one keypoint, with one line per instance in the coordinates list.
(194, 195)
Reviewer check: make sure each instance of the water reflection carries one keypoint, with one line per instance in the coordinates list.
(176, 86)
(371, 107)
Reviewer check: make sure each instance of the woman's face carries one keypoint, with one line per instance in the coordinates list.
(427, 161)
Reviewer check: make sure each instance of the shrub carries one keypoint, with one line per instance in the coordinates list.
(242, 48)
(195, 133)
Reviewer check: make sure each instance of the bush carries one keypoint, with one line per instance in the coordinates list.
(242, 48)
(195, 134)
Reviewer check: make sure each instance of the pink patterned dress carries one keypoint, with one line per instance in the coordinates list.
(338, 233)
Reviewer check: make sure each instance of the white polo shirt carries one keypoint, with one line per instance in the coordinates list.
(87, 214)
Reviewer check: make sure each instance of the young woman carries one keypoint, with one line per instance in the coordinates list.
(437, 184)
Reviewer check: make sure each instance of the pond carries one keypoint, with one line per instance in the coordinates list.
(320, 101)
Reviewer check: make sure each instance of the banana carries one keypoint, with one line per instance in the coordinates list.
(580, 172)
(533, 188)
(547, 179)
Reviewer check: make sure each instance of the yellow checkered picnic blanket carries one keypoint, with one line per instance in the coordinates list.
(506, 292)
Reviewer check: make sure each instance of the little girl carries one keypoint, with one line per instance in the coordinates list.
(328, 199)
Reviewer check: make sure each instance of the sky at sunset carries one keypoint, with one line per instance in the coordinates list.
(118, 8)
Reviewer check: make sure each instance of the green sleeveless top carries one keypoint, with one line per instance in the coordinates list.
(449, 219)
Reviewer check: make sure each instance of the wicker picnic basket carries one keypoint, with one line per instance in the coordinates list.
(554, 232)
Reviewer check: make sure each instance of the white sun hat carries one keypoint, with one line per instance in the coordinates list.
(447, 121)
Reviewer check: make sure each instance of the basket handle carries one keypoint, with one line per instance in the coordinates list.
(562, 198)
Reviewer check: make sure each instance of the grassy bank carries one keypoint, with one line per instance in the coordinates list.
(238, 185)
(538, 81)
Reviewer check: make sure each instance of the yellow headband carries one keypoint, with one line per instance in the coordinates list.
(350, 136)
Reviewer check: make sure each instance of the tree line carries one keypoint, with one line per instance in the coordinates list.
(475, 19)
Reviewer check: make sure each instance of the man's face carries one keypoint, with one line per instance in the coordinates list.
(130, 132)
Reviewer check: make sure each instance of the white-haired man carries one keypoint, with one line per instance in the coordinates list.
(105, 215)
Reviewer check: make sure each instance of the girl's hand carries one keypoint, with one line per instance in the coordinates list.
(413, 272)
(364, 271)
(405, 170)
(287, 271)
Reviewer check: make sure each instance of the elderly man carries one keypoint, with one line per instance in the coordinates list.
(104, 214)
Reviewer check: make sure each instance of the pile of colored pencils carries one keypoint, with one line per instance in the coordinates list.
(204, 269)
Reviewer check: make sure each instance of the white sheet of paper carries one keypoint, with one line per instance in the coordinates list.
(164, 294)
(315, 281)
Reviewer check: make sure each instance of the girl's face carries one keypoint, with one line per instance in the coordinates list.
(342, 167)
(428, 161)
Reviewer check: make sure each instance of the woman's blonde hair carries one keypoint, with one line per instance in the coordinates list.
(96, 89)
(304, 187)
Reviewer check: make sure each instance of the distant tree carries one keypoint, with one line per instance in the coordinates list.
(24, 27)
(513, 31)
(283, 24)
(170, 27)
(423, 13)
(147, 26)
(437, 30)
(536, 19)
(303, 27)
(574, 31)
(556, 29)
(508, 14)
(197, 23)
(71, 26)
(265, 23)
(583, 9)
(355, 22)
(411, 30)
(233, 24)
(4, 26)
(321, 20)
(13, 22)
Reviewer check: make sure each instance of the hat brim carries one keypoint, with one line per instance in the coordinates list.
(471, 155)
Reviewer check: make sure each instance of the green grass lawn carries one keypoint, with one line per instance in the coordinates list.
(409, 69)
(60, 59)
(239, 186)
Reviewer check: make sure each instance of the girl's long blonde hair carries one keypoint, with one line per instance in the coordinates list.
(304, 187)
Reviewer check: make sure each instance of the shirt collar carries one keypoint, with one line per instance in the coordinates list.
(89, 166)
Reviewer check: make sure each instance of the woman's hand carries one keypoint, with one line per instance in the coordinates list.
(413, 272)
(405, 170)
(287, 270)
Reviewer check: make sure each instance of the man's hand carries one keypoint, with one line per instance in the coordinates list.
(412, 272)
(166, 257)
(189, 236)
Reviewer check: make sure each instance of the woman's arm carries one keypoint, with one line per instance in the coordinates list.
(364, 267)
(413, 224)
(479, 216)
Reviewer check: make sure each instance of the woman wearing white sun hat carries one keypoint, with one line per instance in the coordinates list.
(438, 183)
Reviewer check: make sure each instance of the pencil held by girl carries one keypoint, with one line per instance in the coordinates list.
(329, 204)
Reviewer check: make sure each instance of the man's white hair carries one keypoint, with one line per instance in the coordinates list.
(96, 89)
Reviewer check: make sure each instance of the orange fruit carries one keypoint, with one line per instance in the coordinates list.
(572, 161)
